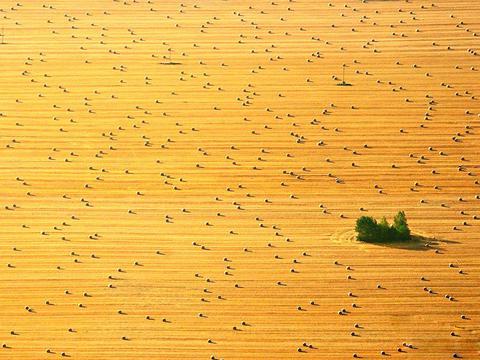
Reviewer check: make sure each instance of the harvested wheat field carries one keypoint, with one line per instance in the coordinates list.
(181, 179)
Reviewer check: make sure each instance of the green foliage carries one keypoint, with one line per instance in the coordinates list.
(366, 228)
(369, 230)
(400, 224)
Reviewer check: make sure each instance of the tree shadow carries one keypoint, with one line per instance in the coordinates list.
(417, 243)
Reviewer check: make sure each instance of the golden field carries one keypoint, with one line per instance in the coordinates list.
(181, 179)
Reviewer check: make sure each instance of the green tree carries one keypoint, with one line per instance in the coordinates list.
(383, 230)
(400, 224)
(367, 228)
(384, 222)
(370, 231)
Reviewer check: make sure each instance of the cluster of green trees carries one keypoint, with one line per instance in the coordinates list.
(369, 230)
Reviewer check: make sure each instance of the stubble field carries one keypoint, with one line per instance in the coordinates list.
(180, 179)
